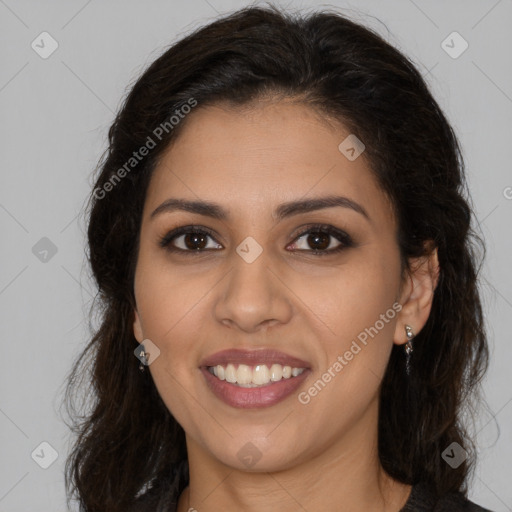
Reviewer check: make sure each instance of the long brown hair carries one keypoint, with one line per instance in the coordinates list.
(127, 440)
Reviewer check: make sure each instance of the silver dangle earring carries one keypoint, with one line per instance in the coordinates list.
(408, 348)
(143, 358)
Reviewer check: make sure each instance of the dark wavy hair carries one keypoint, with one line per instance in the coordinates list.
(127, 440)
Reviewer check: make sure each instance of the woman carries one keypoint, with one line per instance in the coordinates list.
(281, 235)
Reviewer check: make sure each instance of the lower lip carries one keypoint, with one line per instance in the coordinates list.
(251, 398)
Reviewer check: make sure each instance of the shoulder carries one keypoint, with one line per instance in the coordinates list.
(457, 501)
(423, 499)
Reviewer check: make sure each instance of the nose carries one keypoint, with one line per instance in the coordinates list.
(253, 296)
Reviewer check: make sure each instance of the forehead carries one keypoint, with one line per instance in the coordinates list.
(254, 158)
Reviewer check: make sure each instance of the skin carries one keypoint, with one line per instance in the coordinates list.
(191, 306)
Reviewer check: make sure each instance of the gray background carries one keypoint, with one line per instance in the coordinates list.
(55, 116)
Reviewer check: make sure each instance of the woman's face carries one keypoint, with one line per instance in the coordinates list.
(254, 286)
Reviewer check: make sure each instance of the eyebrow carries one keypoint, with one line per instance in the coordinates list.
(283, 211)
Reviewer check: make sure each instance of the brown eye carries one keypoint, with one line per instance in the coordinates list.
(195, 240)
(318, 240)
(187, 239)
(322, 240)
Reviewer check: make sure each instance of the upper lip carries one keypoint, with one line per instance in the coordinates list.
(251, 357)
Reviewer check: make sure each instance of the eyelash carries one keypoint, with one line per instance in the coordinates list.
(341, 236)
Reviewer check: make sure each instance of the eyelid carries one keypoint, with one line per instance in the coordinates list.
(316, 227)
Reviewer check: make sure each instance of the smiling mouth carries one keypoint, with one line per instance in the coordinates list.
(250, 379)
(256, 376)
(265, 392)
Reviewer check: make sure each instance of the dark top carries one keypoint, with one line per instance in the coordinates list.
(421, 498)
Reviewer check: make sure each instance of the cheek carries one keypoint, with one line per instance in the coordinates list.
(170, 309)
(353, 298)
(166, 297)
(168, 306)
(359, 308)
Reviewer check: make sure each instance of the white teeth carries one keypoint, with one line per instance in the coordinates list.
(276, 372)
(260, 375)
(230, 373)
(243, 374)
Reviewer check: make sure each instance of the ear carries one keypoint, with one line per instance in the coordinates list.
(137, 327)
(417, 294)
